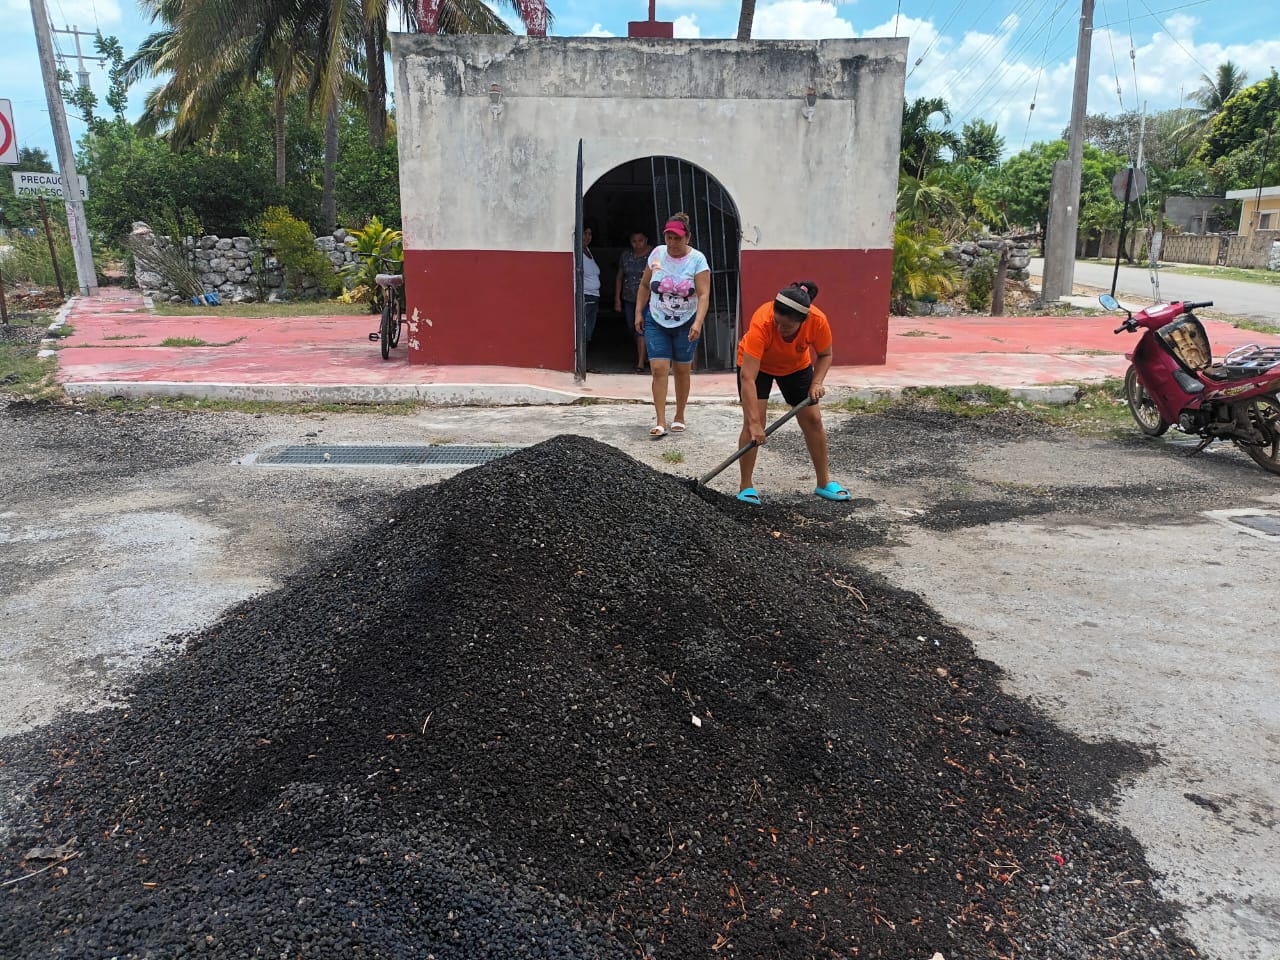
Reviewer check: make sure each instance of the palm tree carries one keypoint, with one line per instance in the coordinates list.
(1212, 95)
(922, 144)
(1226, 82)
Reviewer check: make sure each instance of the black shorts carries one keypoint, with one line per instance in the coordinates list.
(794, 386)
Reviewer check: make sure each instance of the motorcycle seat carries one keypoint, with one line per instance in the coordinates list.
(1187, 340)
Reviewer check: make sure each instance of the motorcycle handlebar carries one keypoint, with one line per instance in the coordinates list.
(1122, 328)
(1197, 304)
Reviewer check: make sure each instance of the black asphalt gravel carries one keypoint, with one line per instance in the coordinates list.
(563, 705)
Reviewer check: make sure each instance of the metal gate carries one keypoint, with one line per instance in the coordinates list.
(579, 300)
(681, 186)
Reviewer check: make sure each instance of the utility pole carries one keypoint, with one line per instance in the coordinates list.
(1064, 201)
(82, 74)
(77, 226)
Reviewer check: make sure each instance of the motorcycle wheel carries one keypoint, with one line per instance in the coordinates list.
(1264, 414)
(1142, 406)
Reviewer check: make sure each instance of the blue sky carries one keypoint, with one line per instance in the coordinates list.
(989, 59)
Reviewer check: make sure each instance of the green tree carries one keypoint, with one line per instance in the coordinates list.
(980, 143)
(1023, 184)
(1243, 121)
(923, 144)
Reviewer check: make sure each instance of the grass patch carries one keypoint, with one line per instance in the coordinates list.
(1257, 326)
(262, 311)
(22, 373)
(673, 456)
(1099, 411)
(1267, 277)
(126, 336)
(195, 342)
(974, 400)
(860, 405)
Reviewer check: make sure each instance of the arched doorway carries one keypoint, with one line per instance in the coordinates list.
(640, 195)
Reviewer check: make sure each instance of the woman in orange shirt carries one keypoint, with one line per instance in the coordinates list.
(789, 340)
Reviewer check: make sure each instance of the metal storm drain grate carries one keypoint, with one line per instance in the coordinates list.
(357, 455)
(1259, 523)
(1263, 524)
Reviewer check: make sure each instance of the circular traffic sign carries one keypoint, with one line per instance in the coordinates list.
(1136, 188)
(6, 134)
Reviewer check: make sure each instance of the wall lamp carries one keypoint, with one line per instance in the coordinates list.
(495, 100)
(810, 102)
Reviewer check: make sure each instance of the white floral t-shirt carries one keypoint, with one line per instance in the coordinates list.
(673, 298)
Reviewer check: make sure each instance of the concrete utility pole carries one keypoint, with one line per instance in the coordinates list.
(1064, 203)
(77, 226)
(83, 72)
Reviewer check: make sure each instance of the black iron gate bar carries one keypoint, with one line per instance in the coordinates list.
(680, 185)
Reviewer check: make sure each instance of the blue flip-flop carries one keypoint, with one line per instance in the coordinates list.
(833, 491)
(750, 496)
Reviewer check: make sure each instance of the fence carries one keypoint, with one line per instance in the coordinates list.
(1239, 250)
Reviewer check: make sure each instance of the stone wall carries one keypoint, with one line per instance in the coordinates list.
(970, 252)
(237, 269)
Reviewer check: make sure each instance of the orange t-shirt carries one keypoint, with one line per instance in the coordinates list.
(777, 357)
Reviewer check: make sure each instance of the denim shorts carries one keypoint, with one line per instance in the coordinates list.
(669, 343)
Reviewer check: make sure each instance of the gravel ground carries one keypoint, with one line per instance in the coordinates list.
(562, 704)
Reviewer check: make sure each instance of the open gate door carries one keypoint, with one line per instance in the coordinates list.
(680, 185)
(579, 299)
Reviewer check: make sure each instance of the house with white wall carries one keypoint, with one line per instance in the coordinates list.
(784, 154)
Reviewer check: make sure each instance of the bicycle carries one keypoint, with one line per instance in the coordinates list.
(391, 289)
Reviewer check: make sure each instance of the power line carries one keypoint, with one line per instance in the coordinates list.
(1173, 38)
(988, 87)
(1183, 6)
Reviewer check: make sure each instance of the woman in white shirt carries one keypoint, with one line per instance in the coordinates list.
(590, 287)
(671, 307)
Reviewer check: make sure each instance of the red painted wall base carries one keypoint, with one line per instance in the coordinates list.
(515, 308)
(853, 291)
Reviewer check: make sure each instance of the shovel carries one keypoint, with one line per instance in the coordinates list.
(806, 402)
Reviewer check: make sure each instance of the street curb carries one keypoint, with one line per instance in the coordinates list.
(471, 394)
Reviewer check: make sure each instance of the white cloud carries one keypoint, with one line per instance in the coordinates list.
(597, 30)
(799, 20)
(687, 28)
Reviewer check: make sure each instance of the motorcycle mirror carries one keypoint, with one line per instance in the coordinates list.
(1110, 302)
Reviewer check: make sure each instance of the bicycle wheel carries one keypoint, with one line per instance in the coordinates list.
(398, 319)
(389, 323)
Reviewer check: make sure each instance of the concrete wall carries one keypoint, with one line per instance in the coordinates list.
(487, 191)
(1192, 214)
(1251, 250)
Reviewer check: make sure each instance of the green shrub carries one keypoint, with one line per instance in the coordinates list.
(982, 281)
(294, 246)
(373, 240)
(921, 267)
(29, 260)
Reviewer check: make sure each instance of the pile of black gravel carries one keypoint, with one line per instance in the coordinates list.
(561, 706)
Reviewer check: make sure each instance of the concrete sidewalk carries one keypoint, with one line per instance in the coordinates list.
(116, 349)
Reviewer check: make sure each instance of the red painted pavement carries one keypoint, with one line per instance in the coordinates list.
(116, 340)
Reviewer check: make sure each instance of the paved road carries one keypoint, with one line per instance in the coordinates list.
(1254, 301)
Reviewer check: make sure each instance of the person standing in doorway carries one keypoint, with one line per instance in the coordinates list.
(671, 307)
(590, 286)
(631, 266)
(789, 341)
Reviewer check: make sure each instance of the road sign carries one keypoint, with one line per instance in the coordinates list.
(27, 183)
(1136, 189)
(8, 139)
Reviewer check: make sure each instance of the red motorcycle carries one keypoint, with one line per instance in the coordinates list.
(1173, 381)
